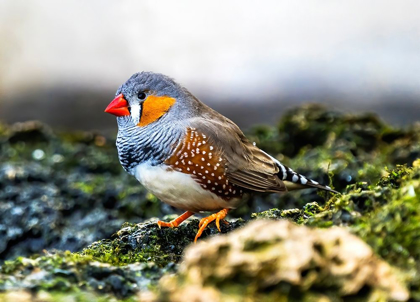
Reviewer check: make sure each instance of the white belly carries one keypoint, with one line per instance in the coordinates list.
(179, 190)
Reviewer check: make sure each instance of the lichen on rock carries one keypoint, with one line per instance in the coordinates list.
(270, 261)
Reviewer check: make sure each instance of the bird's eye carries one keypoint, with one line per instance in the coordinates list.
(141, 95)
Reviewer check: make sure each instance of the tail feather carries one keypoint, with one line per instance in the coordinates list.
(294, 181)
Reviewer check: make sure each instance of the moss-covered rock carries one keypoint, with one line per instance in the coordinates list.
(135, 260)
(386, 215)
(321, 143)
(147, 242)
(393, 228)
(48, 180)
(278, 261)
(76, 275)
(66, 190)
(63, 191)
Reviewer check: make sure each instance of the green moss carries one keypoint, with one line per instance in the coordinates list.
(146, 242)
(269, 214)
(393, 230)
(134, 260)
(78, 194)
(386, 216)
(152, 245)
(395, 177)
(77, 275)
(59, 296)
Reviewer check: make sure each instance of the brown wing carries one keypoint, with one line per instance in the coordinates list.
(246, 165)
(197, 156)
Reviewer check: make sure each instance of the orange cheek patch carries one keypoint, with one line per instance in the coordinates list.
(153, 108)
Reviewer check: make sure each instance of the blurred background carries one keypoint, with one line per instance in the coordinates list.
(62, 61)
(257, 63)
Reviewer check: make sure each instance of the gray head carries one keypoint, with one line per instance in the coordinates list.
(149, 97)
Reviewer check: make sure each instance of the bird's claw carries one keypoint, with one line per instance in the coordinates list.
(219, 216)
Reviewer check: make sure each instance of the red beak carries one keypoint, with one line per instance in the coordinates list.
(118, 106)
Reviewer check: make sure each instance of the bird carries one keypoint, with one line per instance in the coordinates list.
(189, 155)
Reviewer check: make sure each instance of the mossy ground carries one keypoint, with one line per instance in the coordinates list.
(386, 215)
(65, 191)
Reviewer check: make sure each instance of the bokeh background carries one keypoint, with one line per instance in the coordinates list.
(61, 61)
(63, 189)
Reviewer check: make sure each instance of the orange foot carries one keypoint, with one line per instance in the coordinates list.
(205, 221)
(176, 222)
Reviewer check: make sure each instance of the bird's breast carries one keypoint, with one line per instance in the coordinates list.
(179, 189)
(138, 145)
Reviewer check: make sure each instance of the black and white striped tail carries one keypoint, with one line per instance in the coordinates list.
(299, 181)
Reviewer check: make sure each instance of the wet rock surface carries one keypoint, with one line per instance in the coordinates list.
(67, 191)
(63, 192)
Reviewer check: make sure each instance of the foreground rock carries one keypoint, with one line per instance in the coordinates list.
(270, 261)
(76, 275)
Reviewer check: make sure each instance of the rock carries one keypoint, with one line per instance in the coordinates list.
(43, 209)
(318, 141)
(66, 190)
(30, 132)
(270, 261)
(16, 296)
(372, 212)
(146, 242)
(67, 272)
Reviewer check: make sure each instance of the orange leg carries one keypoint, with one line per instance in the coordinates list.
(205, 221)
(176, 222)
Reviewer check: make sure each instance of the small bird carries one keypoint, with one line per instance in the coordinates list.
(188, 155)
